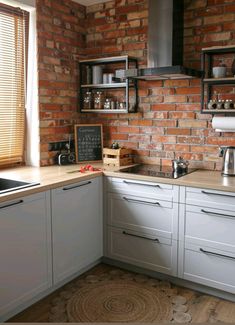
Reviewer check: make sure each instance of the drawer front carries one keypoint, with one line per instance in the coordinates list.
(136, 213)
(211, 267)
(210, 198)
(144, 189)
(211, 226)
(142, 250)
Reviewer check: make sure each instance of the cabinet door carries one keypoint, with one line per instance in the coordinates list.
(210, 266)
(151, 216)
(76, 227)
(25, 250)
(151, 252)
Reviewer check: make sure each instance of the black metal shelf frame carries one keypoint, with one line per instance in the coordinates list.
(208, 82)
(127, 84)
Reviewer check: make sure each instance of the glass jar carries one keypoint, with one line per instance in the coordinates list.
(228, 104)
(87, 101)
(107, 104)
(99, 100)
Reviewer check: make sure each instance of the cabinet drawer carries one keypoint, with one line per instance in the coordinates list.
(211, 226)
(151, 216)
(159, 254)
(210, 198)
(211, 267)
(144, 189)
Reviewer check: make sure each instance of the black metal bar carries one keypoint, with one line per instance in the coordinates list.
(133, 183)
(216, 254)
(140, 201)
(142, 237)
(217, 214)
(219, 194)
(76, 186)
(11, 204)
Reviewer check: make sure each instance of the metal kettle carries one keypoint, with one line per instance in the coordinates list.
(228, 154)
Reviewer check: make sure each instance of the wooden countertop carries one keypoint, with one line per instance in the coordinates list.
(56, 176)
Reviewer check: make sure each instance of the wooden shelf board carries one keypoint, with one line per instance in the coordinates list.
(213, 111)
(213, 80)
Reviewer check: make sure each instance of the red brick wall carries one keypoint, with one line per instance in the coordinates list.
(61, 43)
(168, 122)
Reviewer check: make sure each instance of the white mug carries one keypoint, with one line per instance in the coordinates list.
(219, 72)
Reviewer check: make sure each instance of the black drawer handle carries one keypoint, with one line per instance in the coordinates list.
(219, 194)
(217, 214)
(216, 254)
(140, 201)
(134, 183)
(11, 204)
(156, 240)
(76, 186)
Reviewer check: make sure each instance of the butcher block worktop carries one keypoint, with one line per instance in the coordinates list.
(56, 176)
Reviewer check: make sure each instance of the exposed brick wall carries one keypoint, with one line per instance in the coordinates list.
(61, 43)
(168, 122)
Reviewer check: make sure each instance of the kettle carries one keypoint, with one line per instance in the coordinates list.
(228, 154)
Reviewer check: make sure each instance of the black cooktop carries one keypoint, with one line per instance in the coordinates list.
(156, 171)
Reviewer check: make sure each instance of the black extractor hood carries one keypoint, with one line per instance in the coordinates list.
(165, 43)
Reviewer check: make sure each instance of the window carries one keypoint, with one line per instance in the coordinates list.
(14, 24)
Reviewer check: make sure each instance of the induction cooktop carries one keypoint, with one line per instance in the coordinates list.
(156, 171)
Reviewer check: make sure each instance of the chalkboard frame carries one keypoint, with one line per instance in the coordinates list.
(80, 126)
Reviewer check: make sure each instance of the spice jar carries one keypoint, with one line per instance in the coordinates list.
(87, 101)
(107, 104)
(229, 104)
(99, 100)
(212, 104)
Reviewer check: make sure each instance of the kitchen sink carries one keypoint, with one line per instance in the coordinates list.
(8, 185)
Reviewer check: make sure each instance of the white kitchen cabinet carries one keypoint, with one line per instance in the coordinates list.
(77, 225)
(25, 250)
(141, 224)
(207, 245)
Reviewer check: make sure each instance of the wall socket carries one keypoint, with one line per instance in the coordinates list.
(61, 146)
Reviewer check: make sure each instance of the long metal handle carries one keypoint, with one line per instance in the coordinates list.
(156, 240)
(140, 201)
(11, 204)
(217, 214)
(134, 183)
(76, 186)
(216, 254)
(219, 194)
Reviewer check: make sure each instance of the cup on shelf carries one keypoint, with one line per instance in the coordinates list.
(219, 72)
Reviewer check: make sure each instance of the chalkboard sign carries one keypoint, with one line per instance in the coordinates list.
(88, 142)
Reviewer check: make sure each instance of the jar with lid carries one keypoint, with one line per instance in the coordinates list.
(87, 101)
(220, 104)
(229, 104)
(107, 104)
(212, 104)
(99, 100)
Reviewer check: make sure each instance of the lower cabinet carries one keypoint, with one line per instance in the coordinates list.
(25, 250)
(207, 242)
(77, 227)
(150, 252)
(142, 229)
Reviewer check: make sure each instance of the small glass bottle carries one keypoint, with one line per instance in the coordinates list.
(220, 104)
(87, 101)
(99, 100)
(107, 104)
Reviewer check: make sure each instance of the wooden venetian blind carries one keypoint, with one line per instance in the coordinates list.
(13, 63)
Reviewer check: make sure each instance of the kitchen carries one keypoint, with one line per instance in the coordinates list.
(168, 122)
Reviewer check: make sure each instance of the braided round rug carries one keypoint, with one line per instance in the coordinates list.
(119, 296)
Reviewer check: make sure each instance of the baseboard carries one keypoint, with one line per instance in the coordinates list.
(177, 281)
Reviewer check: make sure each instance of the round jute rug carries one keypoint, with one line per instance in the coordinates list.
(119, 296)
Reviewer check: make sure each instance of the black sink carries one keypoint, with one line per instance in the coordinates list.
(8, 185)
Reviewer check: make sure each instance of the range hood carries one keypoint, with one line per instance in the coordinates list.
(165, 43)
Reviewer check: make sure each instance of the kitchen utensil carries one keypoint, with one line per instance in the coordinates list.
(180, 165)
(228, 154)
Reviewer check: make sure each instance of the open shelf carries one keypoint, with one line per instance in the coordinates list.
(127, 94)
